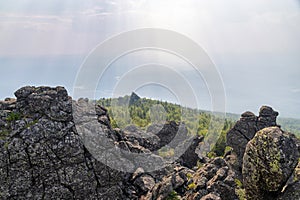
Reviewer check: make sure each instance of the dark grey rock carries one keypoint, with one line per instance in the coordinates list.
(291, 192)
(245, 129)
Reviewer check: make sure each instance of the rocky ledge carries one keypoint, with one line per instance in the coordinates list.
(42, 156)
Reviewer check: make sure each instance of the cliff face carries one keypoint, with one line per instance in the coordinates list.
(43, 156)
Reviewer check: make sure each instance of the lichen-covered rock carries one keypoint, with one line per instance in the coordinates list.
(245, 129)
(270, 159)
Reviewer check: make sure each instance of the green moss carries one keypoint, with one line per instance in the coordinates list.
(274, 166)
(199, 164)
(241, 194)
(227, 149)
(191, 186)
(173, 196)
(31, 123)
(238, 183)
(13, 116)
(189, 176)
(211, 154)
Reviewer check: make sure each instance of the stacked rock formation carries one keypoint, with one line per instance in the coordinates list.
(264, 157)
(245, 129)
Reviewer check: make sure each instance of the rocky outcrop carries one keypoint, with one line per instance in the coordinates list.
(269, 161)
(133, 98)
(245, 129)
(42, 156)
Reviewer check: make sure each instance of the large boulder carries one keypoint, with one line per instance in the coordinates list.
(269, 161)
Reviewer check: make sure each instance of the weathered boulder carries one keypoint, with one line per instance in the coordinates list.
(269, 160)
(245, 129)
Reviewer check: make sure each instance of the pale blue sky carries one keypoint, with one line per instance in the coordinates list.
(254, 43)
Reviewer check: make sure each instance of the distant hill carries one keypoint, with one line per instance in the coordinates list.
(290, 125)
(138, 112)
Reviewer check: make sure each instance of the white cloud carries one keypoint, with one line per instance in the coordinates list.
(231, 27)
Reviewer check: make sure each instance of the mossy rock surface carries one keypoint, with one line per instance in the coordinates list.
(270, 159)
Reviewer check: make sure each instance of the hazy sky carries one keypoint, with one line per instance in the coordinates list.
(255, 44)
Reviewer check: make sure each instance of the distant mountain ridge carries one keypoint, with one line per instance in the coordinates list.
(288, 124)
